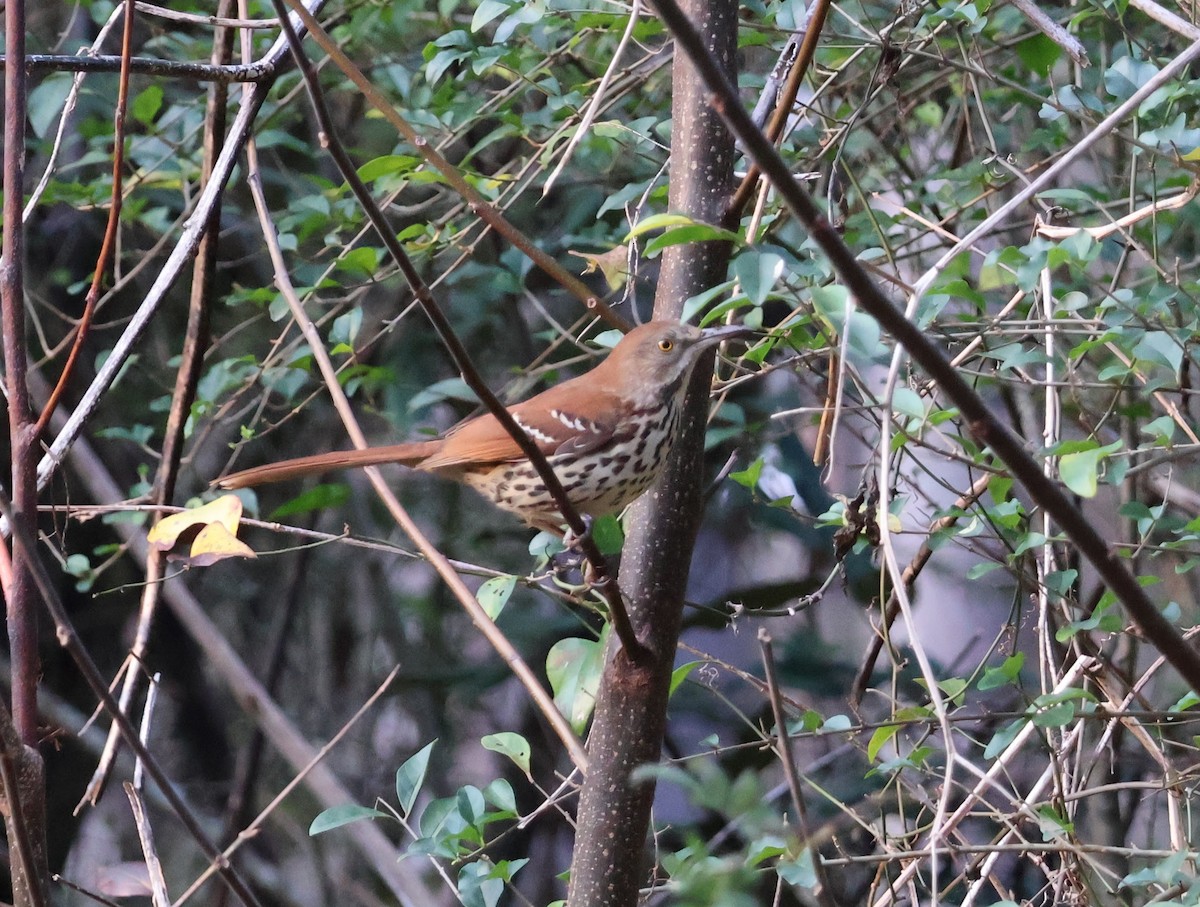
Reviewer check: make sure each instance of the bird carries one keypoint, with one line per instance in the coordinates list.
(606, 433)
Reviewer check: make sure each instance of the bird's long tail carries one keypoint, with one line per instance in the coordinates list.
(409, 454)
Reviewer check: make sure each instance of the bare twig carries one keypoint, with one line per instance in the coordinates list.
(249, 694)
(907, 578)
(596, 101)
(158, 884)
(27, 876)
(302, 773)
(108, 244)
(144, 66)
(813, 26)
(196, 340)
(184, 249)
(1052, 30)
(788, 760)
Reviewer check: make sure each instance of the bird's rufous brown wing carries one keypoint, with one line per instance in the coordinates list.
(549, 420)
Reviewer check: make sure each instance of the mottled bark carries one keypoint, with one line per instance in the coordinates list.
(609, 864)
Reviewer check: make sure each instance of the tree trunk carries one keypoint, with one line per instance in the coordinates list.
(627, 731)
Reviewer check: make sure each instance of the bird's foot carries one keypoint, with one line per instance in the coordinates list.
(566, 565)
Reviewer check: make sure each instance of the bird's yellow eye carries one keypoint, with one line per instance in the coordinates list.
(666, 345)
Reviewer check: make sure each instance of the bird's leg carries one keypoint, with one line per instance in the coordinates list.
(571, 541)
(571, 557)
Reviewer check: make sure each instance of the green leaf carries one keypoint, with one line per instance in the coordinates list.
(880, 738)
(1159, 347)
(837, 723)
(982, 569)
(1187, 701)
(677, 236)
(471, 805)
(1080, 472)
(1004, 674)
(680, 674)
(573, 667)
(834, 305)
(337, 816)
(514, 746)
(748, 477)
(388, 165)
(447, 389)
(608, 534)
(908, 402)
(1038, 53)
(765, 848)
(800, 871)
(410, 776)
(363, 261)
(758, 273)
(346, 327)
(1003, 737)
(953, 689)
(487, 11)
(659, 222)
(1104, 617)
(146, 104)
(1058, 715)
(493, 594)
(46, 102)
(500, 794)
(476, 885)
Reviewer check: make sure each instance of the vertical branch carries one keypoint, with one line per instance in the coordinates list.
(22, 614)
(24, 783)
(630, 718)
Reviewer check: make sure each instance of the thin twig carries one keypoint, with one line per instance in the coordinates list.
(184, 249)
(13, 807)
(814, 24)
(159, 895)
(596, 101)
(1052, 30)
(158, 884)
(788, 760)
(245, 690)
(146, 66)
(187, 377)
(108, 244)
(907, 578)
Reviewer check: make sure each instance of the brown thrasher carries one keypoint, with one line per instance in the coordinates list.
(607, 433)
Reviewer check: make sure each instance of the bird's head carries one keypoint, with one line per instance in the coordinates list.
(661, 354)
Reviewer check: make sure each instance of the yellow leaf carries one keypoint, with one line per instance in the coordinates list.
(215, 543)
(215, 528)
